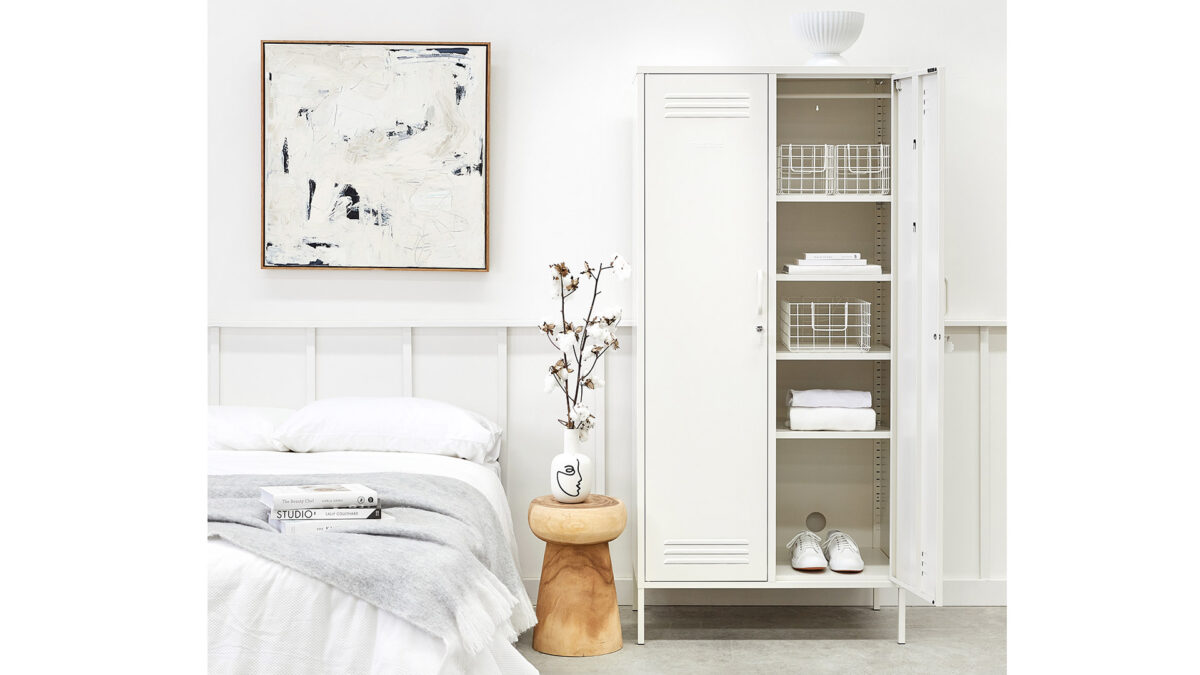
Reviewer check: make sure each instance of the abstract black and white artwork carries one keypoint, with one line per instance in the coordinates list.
(374, 155)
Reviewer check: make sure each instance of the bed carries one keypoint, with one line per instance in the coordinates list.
(265, 617)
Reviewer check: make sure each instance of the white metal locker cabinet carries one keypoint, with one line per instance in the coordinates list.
(917, 549)
(736, 172)
(705, 362)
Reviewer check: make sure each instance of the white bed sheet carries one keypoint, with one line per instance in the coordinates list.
(268, 618)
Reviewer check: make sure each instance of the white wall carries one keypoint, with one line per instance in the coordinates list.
(562, 77)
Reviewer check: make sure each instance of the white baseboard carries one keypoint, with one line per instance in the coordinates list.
(958, 592)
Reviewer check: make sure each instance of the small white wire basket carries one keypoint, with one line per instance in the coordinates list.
(805, 169)
(864, 169)
(834, 169)
(825, 324)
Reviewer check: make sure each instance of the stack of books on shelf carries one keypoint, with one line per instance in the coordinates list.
(294, 509)
(832, 263)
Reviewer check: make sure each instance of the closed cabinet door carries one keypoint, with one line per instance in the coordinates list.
(707, 187)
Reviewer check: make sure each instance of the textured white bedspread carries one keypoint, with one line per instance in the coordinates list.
(267, 618)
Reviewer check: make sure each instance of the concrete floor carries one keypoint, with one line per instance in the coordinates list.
(780, 640)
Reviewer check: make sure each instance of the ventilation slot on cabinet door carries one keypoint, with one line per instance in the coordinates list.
(706, 105)
(706, 552)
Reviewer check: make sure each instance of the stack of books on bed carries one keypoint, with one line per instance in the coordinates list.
(297, 509)
(832, 263)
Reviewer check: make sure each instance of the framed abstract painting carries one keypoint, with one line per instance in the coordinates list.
(375, 155)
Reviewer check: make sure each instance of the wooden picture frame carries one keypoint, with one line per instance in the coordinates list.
(365, 184)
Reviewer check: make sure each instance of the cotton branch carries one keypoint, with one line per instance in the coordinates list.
(578, 417)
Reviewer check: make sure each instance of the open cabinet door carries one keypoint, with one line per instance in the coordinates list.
(919, 353)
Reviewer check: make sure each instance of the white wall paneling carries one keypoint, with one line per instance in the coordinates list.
(406, 384)
(344, 369)
(501, 371)
(310, 365)
(501, 397)
(262, 366)
(214, 365)
(974, 463)
(985, 453)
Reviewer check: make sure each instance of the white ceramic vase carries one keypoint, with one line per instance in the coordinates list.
(827, 34)
(570, 471)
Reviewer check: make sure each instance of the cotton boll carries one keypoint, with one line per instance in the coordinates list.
(586, 359)
(621, 267)
(565, 342)
(612, 315)
(551, 384)
(599, 333)
(580, 414)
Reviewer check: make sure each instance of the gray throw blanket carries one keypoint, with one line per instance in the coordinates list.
(443, 564)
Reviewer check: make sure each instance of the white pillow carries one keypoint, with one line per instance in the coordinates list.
(238, 427)
(391, 425)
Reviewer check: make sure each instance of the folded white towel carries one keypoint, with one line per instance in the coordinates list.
(831, 419)
(828, 262)
(829, 398)
(833, 269)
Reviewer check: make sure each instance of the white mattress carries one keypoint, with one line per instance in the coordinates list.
(267, 618)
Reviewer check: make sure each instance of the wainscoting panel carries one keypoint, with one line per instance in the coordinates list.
(499, 371)
(360, 361)
(459, 366)
(263, 367)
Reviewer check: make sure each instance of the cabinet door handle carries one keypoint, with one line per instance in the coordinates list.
(762, 291)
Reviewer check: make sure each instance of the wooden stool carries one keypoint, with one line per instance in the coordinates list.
(577, 600)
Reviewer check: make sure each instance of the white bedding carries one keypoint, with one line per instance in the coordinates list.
(267, 618)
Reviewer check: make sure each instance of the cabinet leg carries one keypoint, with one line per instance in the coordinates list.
(900, 612)
(875, 599)
(641, 616)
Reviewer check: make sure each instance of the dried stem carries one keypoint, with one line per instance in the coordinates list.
(562, 308)
(587, 324)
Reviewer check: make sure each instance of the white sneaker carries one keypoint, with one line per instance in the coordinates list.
(843, 552)
(806, 552)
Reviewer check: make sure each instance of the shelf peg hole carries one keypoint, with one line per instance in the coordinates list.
(815, 521)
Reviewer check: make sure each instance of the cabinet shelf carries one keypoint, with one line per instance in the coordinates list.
(832, 198)
(877, 353)
(782, 432)
(875, 574)
(833, 277)
(830, 96)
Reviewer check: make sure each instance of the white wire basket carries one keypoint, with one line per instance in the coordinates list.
(864, 169)
(834, 169)
(805, 169)
(825, 324)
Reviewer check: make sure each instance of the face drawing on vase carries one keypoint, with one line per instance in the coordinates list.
(568, 475)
